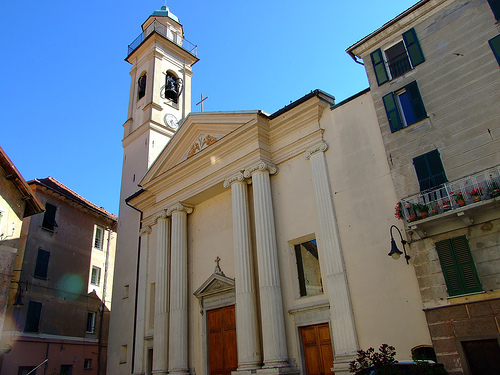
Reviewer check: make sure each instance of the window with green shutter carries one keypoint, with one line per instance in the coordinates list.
(430, 170)
(495, 8)
(458, 266)
(42, 264)
(404, 107)
(495, 47)
(397, 59)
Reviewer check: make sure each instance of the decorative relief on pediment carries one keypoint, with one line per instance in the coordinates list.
(202, 142)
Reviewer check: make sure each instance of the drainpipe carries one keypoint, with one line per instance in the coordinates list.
(103, 306)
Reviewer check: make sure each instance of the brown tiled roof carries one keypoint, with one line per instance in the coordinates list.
(33, 205)
(53, 184)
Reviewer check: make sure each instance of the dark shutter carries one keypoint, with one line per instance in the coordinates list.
(392, 112)
(495, 8)
(416, 101)
(430, 170)
(33, 317)
(495, 47)
(413, 47)
(300, 271)
(458, 266)
(379, 67)
(42, 264)
(49, 217)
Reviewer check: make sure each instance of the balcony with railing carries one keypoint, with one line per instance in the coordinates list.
(463, 198)
(163, 30)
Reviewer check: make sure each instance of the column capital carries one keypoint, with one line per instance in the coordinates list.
(237, 177)
(179, 207)
(261, 165)
(320, 147)
(145, 231)
(160, 215)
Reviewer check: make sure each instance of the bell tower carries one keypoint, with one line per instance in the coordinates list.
(160, 98)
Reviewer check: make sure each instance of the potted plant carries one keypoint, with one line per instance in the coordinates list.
(459, 198)
(423, 209)
(446, 205)
(494, 189)
(412, 215)
(434, 205)
(399, 211)
(476, 193)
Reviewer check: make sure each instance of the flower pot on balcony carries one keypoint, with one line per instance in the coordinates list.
(476, 198)
(424, 214)
(461, 202)
(435, 211)
(413, 217)
(446, 207)
(495, 193)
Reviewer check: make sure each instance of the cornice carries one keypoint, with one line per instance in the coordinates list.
(147, 125)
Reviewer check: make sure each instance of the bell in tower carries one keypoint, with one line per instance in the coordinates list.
(173, 87)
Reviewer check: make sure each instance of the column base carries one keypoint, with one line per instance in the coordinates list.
(283, 370)
(341, 363)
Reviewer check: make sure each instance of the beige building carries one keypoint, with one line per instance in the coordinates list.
(435, 81)
(17, 201)
(249, 241)
(59, 315)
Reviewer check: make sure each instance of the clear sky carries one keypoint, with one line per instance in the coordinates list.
(65, 84)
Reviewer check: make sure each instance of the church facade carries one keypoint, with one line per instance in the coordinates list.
(248, 241)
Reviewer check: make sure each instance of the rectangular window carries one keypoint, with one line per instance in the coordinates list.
(25, 370)
(90, 322)
(66, 370)
(308, 269)
(98, 237)
(42, 264)
(49, 217)
(495, 47)
(458, 266)
(430, 170)
(495, 8)
(397, 59)
(483, 356)
(404, 107)
(87, 364)
(95, 277)
(33, 317)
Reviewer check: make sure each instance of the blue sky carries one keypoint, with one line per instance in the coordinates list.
(66, 85)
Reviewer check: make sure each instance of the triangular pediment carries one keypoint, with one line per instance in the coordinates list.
(198, 132)
(215, 284)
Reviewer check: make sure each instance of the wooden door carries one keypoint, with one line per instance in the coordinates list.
(222, 349)
(318, 353)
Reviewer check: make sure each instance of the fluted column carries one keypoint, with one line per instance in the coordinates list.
(160, 343)
(271, 304)
(178, 344)
(249, 354)
(333, 269)
(141, 302)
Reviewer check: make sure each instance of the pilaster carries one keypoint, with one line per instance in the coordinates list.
(249, 354)
(271, 304)
(141, 302)
(178, 344)
(345, 341)
(160, 343)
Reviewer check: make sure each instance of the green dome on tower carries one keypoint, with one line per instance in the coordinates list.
(165, 12)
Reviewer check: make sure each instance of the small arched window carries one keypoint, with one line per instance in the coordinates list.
(141, 86)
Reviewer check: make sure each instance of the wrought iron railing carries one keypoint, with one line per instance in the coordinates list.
(163, 30)
(399, 66)
(452, 195)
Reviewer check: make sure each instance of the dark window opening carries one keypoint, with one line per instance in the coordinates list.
(49, 217)
(141, 84)
(483, 356)
(430, 170)
(308, 268)
(397, 60)
(172, 87)
(42, 264)
(33, 317)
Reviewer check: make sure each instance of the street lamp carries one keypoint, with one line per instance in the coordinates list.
(395, 253)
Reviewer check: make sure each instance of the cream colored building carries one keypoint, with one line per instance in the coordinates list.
(251, 241)
(434, 74)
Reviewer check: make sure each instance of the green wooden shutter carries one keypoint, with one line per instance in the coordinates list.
(495, 46)
(458, 266)
(430, 170)
(379, 67)
(49, 217)
(495, 8)
(416, 100)
(33, 317)
(42, 263)
(413, 47)
(392, 112)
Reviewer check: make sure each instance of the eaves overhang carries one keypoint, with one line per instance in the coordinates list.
(315, 93)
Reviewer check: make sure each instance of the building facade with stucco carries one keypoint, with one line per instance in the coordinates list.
(248, 241)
